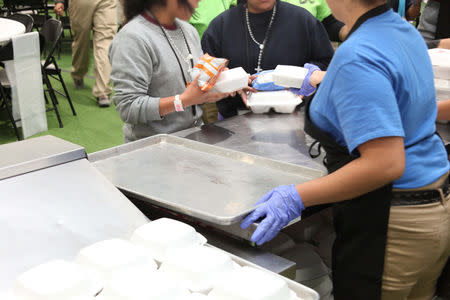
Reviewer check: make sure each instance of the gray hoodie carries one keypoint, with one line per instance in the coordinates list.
(145, 69)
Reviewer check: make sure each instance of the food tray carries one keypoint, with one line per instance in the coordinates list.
(207, 182)
(281, 101)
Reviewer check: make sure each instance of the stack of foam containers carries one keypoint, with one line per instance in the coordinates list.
(231, 80)
(440, 59)
(126, 270)
(281, 101)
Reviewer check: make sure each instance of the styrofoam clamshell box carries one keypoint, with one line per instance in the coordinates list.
(198, 268)
(281, 101)
(105, 258)
(440, 59)
(54, 280)
(163, 236)
(289, 76)
(442, 89)
(231, 80)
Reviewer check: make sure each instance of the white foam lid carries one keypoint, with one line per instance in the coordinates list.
(162, 236)
(198, 267)
(252, 284)
(289, 76)
(55, 280)
(142, 285)
(231, 80)
(114, 255)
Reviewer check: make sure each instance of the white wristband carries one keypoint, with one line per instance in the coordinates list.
(177, 103)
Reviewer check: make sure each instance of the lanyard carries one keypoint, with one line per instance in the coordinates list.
(194, 109)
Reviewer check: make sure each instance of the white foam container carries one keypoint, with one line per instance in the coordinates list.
(301, 292)
(442, 89)
(281, 101)
(55, 280)
(163, 236)
(143, 285)
(249, 283)
(440, 59)
(289, 76)
(231, 80)
(104, 258)
(196, 296)
(198, 268)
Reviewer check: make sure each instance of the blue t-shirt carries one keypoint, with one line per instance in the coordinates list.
(380, 84)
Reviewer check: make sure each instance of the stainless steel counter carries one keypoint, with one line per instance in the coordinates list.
(276, 136)
(56, 206)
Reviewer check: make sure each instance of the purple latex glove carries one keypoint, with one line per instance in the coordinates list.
(307, 89)
(278, 207)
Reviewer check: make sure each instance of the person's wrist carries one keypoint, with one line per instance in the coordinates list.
(186, 100)
(296, 197)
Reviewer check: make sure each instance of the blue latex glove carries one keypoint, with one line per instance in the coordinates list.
(279, 206)
(307, 89)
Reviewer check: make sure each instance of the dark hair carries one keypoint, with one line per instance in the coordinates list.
(132, 8)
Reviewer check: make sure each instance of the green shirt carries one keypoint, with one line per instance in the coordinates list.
(206, 11)
(318, 8)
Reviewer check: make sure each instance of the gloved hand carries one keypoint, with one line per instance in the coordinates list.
(279, 206)
(307, 89)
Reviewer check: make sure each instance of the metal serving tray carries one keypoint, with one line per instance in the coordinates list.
(207, 182)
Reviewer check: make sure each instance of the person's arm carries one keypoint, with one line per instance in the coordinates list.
(382, 161)
(428, 22)
(375, 139)
(132, 71)
(443, 110)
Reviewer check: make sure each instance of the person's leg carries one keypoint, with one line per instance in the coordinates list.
(417, 249)
(105, 27)
(80, 13)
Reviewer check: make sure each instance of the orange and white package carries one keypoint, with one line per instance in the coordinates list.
(209, 69)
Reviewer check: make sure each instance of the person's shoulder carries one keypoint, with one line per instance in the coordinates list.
(135, 27)
(136, 33)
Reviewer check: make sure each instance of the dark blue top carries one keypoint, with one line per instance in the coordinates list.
(380, 84)
(296, 38)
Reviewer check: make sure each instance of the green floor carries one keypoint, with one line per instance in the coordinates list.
(93, 128)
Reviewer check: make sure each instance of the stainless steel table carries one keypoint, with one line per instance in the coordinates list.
(53, 203)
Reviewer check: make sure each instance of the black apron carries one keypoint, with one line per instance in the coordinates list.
(361, 224)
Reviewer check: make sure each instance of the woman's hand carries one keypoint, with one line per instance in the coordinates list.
(278, 207)
(193, 95)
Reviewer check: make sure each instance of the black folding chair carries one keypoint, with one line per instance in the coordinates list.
(38, 9)
(65, 20)
(51, 33)
(26, 20)
(5, 101)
